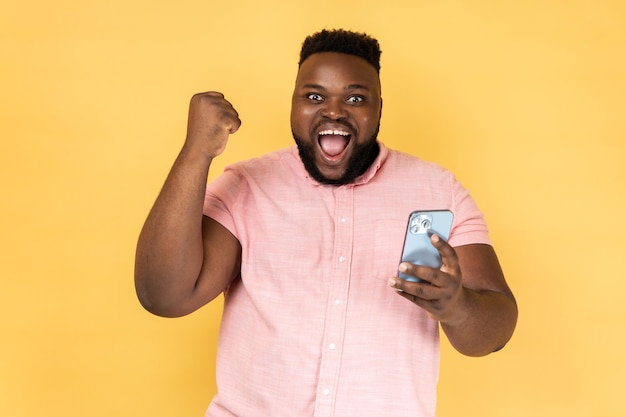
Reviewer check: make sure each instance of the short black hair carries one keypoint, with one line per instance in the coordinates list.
(344, 42)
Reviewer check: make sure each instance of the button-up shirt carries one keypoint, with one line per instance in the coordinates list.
(311, 326)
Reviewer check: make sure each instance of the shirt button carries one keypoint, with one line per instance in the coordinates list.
(337, 301)
(332, 346)
(343, 220)
(326, 391)
(342, 259)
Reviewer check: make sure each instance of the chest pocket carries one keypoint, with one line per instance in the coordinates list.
(388, 242)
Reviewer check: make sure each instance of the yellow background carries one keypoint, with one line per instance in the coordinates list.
(524, 100)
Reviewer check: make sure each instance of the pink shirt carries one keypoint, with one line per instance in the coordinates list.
(312, 328)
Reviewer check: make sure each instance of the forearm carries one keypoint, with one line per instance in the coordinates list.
(184, 260)
(484, 322)
(170, 248)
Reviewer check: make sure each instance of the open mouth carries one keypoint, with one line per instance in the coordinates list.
(333, 143)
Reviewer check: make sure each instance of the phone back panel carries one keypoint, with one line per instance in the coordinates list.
(417, 246)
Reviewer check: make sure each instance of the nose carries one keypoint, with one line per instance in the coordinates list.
(334, 109)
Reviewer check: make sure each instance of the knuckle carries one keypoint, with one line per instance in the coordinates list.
(432, 275)
(420, 291)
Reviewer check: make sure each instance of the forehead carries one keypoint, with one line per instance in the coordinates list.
(332, 69)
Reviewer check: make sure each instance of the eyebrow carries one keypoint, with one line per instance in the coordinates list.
(349, 87)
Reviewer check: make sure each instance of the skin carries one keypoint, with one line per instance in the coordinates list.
(468, 296)
(184, 259)
(336, 92)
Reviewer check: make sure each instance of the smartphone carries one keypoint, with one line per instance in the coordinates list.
(417, 248)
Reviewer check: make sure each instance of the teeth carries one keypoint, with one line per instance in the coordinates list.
(334, 132)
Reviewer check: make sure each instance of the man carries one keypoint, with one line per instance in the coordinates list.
(304, 243)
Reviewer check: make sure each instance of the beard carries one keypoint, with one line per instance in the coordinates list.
(363, 155)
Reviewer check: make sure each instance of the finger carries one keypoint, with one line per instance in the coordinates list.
(414, 291)
(235, 125)
(230, 117)
(449, 259)
(424, 273)
(211, 107)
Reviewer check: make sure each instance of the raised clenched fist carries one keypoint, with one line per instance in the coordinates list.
(211, 120)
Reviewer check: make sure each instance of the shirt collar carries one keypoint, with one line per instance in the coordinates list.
(373, 169)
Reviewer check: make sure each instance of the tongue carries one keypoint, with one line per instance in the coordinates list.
(333, 144)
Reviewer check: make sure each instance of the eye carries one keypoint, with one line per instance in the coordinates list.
(315, 97)
(355, 99)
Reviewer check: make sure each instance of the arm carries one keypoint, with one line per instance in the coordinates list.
(183, 258)
(468, 296)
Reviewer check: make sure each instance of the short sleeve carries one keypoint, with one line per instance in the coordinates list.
(220, 198)
(469, 225)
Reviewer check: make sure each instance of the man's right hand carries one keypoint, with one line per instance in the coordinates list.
(211, 120)
(183, 258)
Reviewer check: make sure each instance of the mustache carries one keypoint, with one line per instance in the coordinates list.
(326, 120)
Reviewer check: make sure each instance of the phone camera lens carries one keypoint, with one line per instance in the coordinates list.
(421, 224)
